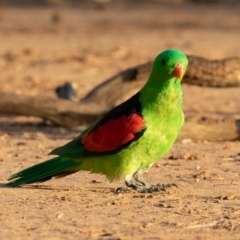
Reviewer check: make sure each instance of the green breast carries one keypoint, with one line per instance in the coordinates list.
(164, 118)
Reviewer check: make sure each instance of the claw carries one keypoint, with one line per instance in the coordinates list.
(121, 190)
(162, 187)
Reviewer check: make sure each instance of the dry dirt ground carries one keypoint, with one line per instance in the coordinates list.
(42, 48)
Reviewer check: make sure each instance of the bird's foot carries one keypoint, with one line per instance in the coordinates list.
(145, 186)
(160, 187)
(148, 187)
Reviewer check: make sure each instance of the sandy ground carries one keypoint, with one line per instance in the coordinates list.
(43, 48)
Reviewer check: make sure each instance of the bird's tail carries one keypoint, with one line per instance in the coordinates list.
(56, 167)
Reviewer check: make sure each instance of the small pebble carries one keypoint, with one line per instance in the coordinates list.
(186, 140)
(59, 215)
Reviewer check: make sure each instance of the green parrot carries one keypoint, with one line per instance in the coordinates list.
(129, 138)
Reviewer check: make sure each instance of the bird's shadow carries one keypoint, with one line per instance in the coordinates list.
(59, 188)
(43, 187)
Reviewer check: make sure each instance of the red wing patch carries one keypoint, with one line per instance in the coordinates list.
(113, 134)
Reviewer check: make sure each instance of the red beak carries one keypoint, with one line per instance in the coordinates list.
(178, 71)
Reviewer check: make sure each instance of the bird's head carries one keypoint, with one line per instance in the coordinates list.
(170, 64)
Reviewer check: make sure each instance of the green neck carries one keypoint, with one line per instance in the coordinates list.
(157, 91)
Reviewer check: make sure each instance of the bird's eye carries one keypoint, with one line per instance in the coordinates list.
(163, 62)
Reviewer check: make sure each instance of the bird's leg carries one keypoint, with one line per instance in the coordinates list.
(131, 184)
(138, 176)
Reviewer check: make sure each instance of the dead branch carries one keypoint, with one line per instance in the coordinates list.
(61, 112)
(203, 72)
